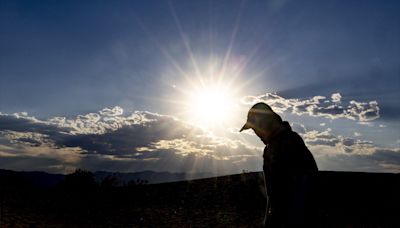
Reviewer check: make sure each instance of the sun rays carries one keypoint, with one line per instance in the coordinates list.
(203, 88)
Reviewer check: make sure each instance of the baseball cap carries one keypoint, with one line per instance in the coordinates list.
(259, 110)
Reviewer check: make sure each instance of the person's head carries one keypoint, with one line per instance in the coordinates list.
(262, 119)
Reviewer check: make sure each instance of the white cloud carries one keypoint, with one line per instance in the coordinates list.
(368, 124)
(363, 111)
(337, 143)
(319, 106)
(99, 123)
(335, 152)
(336, 97)
(115, 111)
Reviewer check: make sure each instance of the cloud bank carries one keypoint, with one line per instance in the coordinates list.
(127, 142)
(319, 106)
(336, 152)
(112, 140)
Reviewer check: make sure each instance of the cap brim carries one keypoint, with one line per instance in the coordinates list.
(245, 127)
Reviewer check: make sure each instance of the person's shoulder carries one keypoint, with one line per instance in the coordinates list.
(292, 137)
(290, 134)
(295, 135)
(287, 136)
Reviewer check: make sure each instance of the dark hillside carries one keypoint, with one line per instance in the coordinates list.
(370, 199)
(345, 200)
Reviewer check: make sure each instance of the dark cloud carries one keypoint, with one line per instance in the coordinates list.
(31, 163)
(21, 122)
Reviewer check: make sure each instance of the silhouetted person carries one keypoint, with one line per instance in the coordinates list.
(289, 168)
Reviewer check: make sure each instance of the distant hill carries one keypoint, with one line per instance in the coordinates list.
(35, 178)
(43, 179)
(151, 177)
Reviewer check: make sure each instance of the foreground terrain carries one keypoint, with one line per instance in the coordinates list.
(345, 200)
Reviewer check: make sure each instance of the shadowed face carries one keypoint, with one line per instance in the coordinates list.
(261, 129)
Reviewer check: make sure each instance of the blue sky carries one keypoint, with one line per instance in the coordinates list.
(117, 70)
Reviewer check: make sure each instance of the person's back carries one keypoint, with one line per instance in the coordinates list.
(290, 172)
(289, 168)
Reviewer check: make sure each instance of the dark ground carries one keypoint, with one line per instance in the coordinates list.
(345, 200)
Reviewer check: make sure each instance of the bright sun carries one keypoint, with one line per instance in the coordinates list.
(210, 106)
(211, 94)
